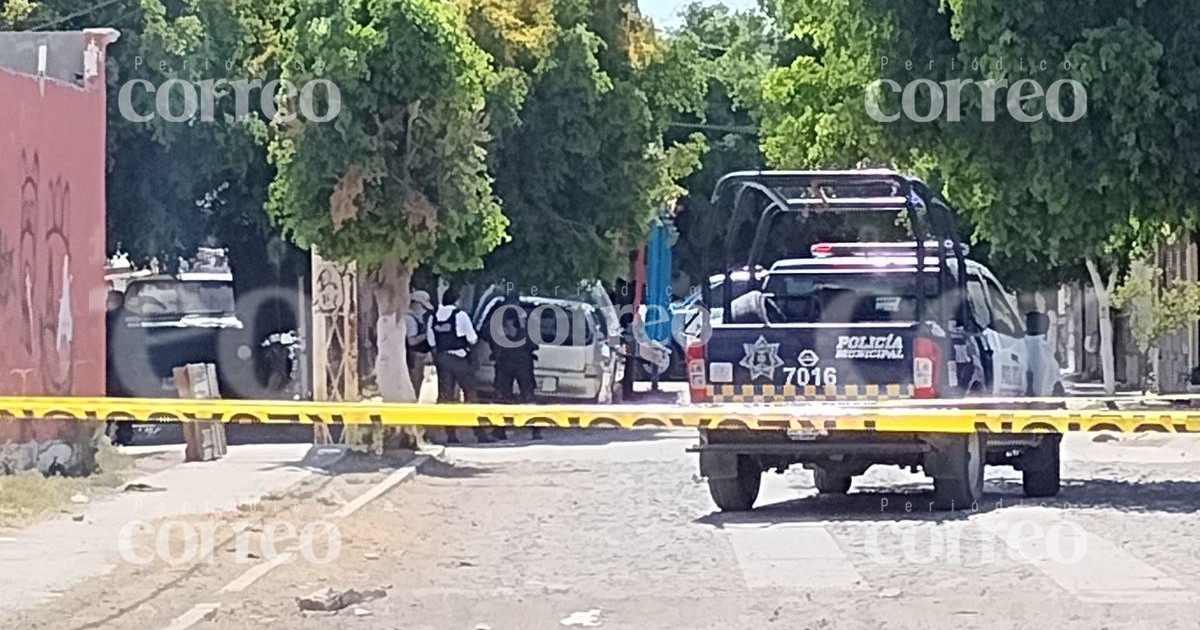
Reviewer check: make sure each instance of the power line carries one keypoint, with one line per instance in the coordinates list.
(73, 15)
(730, 128)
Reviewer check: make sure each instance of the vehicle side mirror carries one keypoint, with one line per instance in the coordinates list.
(1037, 323)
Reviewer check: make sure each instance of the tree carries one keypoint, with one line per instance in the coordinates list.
(398, 178)
(1155, 310)
(1078, 194)
(733, 52)
(579, 160)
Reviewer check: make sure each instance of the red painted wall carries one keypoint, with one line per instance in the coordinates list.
(52, 233)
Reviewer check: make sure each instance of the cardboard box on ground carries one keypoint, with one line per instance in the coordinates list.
(205, 439)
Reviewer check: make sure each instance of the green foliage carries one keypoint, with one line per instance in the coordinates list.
(172, 186)
(733, 52)
(1047, 193)
(1155, 311)
(579, 160)
(400, 173)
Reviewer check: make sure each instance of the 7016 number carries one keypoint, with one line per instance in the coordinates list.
(817, 376)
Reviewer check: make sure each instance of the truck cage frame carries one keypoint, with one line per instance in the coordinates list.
(864, 190)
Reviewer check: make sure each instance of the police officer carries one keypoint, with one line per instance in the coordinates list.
(451, 337)
(515, 354)
(416, 323)
(121, 432)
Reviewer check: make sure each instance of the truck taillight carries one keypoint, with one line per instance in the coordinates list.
(693, 355)
(926, 359)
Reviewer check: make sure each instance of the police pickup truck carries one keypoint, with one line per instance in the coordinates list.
(868, 321)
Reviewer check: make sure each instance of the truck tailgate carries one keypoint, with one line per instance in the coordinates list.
(747, 363)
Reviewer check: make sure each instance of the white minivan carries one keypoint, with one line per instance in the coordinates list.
(580, 356)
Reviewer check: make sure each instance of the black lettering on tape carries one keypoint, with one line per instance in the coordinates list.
(732, 423)
(655, 422)
(376, 419)
(830, 424)
(702, 423)
(868, 425)
(1039, 426)
(775, 424)
(59, 414)
(1105, 426)
(162, 416)
(1181, 427)
(603, 422)
(1073, 426)
(120, 416)
(1151, 427)
(244, 418)
(195, 418)
(283, 417)
(543, 421)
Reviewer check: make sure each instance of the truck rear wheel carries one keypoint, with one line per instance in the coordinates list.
(829, 483)
(737, 494)
(1040, 468)
(958, 481)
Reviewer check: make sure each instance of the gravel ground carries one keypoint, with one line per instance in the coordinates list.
(612, 528)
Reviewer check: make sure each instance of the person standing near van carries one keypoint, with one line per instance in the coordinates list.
(515, 354)
(416, 323)
(451, 337)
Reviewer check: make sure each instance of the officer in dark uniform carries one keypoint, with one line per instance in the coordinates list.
(451, 337)
(515, 354)
(121, 432)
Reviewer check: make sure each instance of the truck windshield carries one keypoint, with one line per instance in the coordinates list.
(847, 298)
(173, 298)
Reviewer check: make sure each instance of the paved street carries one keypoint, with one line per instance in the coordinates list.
(612, 529)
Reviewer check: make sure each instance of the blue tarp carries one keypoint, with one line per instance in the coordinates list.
(658, 283)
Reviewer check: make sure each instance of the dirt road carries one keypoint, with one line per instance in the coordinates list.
(612, 529)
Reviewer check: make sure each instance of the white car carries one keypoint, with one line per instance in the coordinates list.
(579, 355)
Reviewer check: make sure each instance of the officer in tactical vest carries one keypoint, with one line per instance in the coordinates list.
(515, 354)
(451, 338)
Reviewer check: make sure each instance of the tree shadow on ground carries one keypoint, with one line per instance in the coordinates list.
(912, 502)
(450, 470)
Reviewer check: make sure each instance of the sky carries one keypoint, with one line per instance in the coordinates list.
(664, 12)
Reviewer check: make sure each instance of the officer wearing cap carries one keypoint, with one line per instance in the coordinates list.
(416, 322)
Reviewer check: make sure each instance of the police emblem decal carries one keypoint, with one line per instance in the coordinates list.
(761, 359)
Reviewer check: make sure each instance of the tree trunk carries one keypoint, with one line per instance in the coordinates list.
(1154, 386)
(1104, 303)
(390, 288)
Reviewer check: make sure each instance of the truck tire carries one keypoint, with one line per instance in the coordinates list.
(737, 494)
(828, 483)
(959, 482)
(1040, 468)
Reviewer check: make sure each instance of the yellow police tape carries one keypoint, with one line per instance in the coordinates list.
(814, 418)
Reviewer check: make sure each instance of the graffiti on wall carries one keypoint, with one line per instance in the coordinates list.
(43, 275)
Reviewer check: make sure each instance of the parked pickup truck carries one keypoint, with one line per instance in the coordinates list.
(864, 322)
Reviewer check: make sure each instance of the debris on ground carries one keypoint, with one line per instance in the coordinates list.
(889, 593)
(141, 487)
(585, 619)
(362, 612)
(79, 498)
(330, 599)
